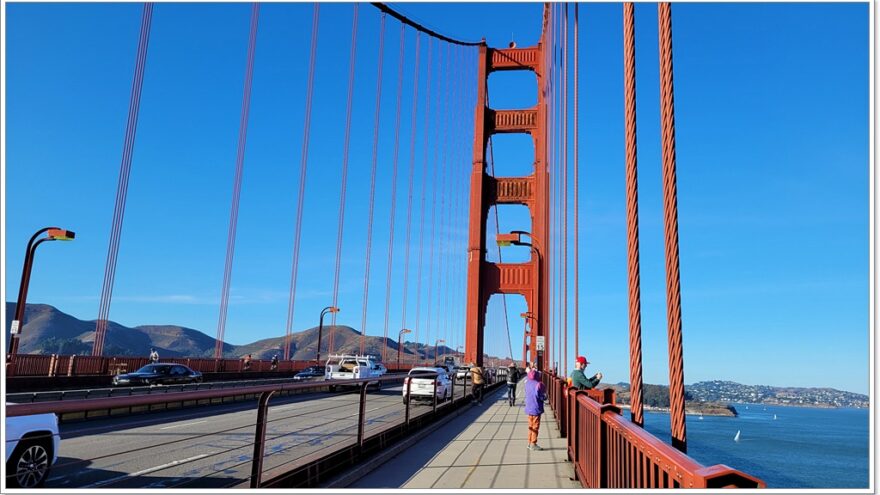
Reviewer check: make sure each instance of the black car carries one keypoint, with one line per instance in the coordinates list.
(158, 374)
(310, 374)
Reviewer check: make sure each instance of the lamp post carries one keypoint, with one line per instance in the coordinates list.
(328, 309)
(52, 234)
(514, 238)
(399, 344)
(436, 347)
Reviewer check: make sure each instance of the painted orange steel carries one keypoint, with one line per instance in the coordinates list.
(632, 216)
(609, 451)
(486, 278)
(670, 227)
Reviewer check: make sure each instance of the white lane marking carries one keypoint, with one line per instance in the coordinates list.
(183, 424)
(146, 471)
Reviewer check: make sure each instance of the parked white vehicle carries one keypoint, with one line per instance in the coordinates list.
(352, 367)
(31, 449)
(421, 384)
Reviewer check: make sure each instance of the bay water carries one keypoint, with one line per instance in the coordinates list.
(802, 448)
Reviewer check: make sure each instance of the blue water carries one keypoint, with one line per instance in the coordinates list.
(803, 448)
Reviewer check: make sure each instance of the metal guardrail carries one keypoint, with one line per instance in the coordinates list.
(305, 473)
(608, 451)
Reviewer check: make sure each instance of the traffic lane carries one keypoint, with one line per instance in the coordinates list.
(112, 453)
(220, 459)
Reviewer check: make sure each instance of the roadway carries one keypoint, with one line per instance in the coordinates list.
(208, 447)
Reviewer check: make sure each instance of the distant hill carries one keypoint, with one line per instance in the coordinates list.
(50, 331)
(718, 391)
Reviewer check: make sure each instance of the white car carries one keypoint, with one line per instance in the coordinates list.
(421, 384)
(353, 367)
(31, 449)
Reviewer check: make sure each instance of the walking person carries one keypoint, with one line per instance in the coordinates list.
(535, 397)
(512, 379)
(478, 382)
(275, 362)
(579, 379)
(154, 356)
(247, 362)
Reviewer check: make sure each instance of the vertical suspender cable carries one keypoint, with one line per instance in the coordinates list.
(434, 228)
(134, 104)
(236, 187)
(379, 64)
(565, 196)
(551, 201)
(394, 188)
(632, 216)
(670, 214)
(304, 159)
(422, 201)
(344, 178)
(412, 173)
(444, 311)
(577, 300)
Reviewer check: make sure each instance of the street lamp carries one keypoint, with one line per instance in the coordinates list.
(514, 238)
(437, 348)
(399, 339)
(52, 234)
(328, 309)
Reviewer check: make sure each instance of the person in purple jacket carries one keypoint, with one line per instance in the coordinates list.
(535, 397)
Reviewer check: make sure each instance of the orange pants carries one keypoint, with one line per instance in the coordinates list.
(534, 426)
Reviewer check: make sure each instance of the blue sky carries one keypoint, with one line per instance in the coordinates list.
(773, 165)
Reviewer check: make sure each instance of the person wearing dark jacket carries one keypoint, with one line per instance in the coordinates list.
(535, 397)
(579, 380)
(512, 378)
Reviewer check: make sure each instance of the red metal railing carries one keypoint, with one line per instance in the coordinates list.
(57, 365)
(609, 451)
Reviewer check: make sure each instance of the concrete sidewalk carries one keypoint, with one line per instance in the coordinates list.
(484, 447)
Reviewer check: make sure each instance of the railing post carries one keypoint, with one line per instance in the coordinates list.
(53, 360)
(260, 439)
(453, 389)
(434, 409)
(408, 400)
(70, 364)
(362, 415)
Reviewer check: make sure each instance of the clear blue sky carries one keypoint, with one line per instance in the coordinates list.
(773, 166)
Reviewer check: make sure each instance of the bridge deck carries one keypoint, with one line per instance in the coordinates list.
(482, 448)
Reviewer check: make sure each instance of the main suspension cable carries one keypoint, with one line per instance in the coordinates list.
(419, 27)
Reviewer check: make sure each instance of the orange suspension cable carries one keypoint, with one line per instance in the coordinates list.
(632, 216)
(422, 202)
(379, 64)
(304, 159)
(344, 178)
(412, 173)
(670, 224)
(437, 166)
(577, 300)
(236, 187)
(134, 106)
(394, 187)
(565, 197)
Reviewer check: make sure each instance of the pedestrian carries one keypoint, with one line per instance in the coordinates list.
(579, 379)
(247, 362)
(154, 356)
(275, 362)
(478, 381)
(535, 397)
(512, 378)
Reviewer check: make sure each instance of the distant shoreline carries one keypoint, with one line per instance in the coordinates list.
(689, 412)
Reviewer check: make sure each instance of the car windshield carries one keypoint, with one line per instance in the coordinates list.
(417, 373)
(155, 368)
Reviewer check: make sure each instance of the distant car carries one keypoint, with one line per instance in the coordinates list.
(312, 373)
(421, 384)
(31, 449)
(158, 374)
(461, 373)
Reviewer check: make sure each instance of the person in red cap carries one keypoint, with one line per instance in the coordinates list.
(579, 379)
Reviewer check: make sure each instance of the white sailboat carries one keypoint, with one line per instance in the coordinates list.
(774, 416)
(736, 438)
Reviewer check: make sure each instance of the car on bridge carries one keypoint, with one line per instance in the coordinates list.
(312, 373)
(158, 374)
(31, 449)
(421, 384)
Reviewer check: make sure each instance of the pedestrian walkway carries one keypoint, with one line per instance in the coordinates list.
(485, 447)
